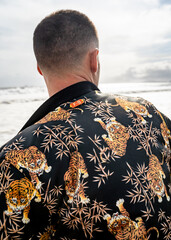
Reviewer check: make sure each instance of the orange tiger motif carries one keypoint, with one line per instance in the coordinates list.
(19, 196)
(117, 136)
(58, 114)
(166, 134)
(72, 178)
(155, 177)
(31, 159)
(140, 110)
(123, 228)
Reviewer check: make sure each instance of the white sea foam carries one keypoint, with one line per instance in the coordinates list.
(18, 104)
(20, 95)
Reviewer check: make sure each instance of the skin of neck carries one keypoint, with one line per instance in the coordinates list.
(88, 70)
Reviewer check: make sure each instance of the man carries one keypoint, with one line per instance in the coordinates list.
(86, 165)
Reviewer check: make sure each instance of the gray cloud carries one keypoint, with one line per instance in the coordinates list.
(165, 2)
(149, 75)
(158, 74)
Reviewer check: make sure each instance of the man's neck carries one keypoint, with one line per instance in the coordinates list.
(55, 84)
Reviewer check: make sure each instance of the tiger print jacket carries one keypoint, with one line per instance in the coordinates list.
(88, 165)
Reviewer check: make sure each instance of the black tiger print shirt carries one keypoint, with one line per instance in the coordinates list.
(88, 165)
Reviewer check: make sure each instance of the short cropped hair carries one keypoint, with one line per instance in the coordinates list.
(62, 39)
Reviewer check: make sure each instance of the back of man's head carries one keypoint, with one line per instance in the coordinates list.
(62, 39)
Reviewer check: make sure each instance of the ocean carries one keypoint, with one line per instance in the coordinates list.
(18, 104)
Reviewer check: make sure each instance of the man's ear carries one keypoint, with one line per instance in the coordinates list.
(38, 69)
(94, 60)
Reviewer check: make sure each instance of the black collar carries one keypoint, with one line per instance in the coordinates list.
(69, 93)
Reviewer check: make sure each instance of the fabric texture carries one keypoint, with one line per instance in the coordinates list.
(88, 165)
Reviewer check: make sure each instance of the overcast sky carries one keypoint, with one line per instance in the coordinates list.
(135, 38)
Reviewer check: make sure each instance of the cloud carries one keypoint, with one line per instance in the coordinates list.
(158, 74)
(148, 75)
(165, 2)
(133, 35)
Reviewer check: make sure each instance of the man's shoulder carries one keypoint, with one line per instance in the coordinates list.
(138, 105)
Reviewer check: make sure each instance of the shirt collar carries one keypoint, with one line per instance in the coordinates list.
(67, 94)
